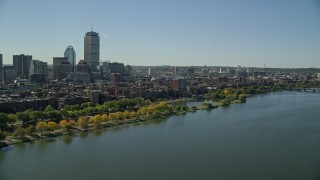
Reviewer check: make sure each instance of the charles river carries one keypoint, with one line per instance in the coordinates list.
(271, 136)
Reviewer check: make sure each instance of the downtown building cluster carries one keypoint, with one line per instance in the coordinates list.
(28, 70)
(33, 84)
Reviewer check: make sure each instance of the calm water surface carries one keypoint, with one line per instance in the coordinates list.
(272, 136)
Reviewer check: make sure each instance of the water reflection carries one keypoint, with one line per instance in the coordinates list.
(50, 140)
(160, 121)
(83, 134)
(117, 128)
(67, 139)
(21, 146)
(97, 132)
(5, 149)
(43, 143)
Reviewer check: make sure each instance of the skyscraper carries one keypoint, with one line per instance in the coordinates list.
(1, 70)
(92, 49)
(61, 68)
(116, 67)
(21, 64)
(71, 55)
(38, 67)
(38, 71)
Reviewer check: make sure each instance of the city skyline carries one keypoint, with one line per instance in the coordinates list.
(280, 34)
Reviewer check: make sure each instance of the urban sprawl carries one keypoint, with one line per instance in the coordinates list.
(33, 84)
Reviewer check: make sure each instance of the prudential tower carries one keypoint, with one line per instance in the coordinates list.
(92, 49)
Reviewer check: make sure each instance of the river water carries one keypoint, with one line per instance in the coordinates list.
(271, 136)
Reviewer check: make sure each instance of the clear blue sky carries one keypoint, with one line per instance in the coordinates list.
(278, 33)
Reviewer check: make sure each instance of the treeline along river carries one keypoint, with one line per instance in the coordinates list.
(271, 136)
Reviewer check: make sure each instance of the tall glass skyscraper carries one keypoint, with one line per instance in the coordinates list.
(21, 64)
(92, 49)
(71, 55)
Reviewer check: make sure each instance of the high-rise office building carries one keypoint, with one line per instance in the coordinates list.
(9, 74)
(83, 67)
(38, 67)
(1, 70)
(116, 67)
(179, 85)
(92, 49)
(21, 64)
(71, 55)
(61, 68)
(38, 71)
(127, 70)
(151, 72)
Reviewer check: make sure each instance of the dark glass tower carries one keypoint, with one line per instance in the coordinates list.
(71, 55)
(92, 49)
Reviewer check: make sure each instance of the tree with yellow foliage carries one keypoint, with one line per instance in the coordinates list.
(150, 110)
(112, 116)
(52, 126)
(119, 115)
(126, 114)
(226, 91)
(67, 124)
(133, 114)
(104, 118)
(162, 106)
(41, 126)
(83, 122)
(63, 123)
(96, 120)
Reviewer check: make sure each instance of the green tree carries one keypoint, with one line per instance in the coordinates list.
(225, 102)
(184, 108)
(49, 108)
(30, 129)
(24, 117)
(55, 115)
(178, 108)
(36, 115)
(156, 113)
(4, 120)
(20, 132)
(209, 105)
(12, 118)
(242, 97)
(86, 105)
(2, 136)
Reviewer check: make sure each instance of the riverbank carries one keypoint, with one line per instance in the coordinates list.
(10, 140)
(60, 132)
(115, 113)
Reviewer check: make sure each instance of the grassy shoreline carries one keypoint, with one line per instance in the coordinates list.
(10, 140)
